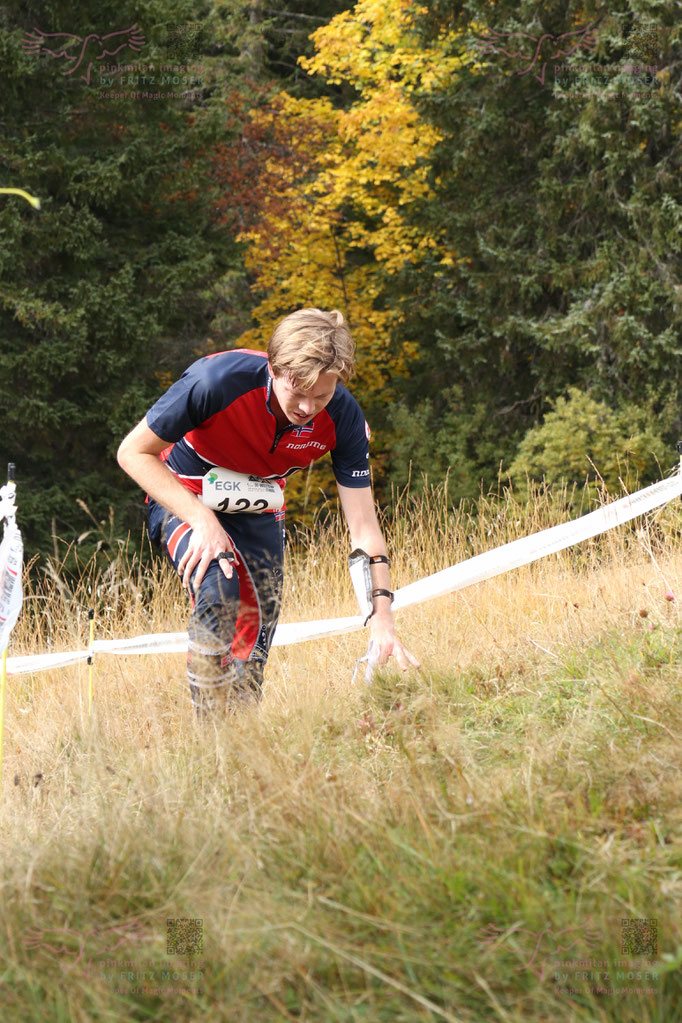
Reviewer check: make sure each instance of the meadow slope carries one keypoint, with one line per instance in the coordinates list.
(459, 843)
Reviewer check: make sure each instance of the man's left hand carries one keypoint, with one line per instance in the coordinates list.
(385, 643)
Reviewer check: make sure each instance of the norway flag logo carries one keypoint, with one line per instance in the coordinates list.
(301, 430)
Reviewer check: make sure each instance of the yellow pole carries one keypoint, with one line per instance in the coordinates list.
(91, 616)
(3, 686)
(34, 201)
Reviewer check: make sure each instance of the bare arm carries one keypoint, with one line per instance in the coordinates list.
(358, 508)
(138, 455)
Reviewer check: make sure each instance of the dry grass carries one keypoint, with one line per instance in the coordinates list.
(344, 845)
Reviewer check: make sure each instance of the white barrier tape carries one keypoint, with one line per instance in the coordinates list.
(159, 642)
(538, 545)
(153, 643)
(43, 662)
(483, 566)
(174, 643)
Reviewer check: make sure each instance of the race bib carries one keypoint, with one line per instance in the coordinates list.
(227, 491)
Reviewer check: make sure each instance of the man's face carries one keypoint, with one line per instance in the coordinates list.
(300, 405)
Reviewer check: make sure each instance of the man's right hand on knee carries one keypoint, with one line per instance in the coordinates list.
(207, 541)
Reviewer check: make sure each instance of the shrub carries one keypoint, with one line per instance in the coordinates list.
(584, 438)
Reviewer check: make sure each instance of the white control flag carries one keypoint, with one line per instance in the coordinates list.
(11, 558)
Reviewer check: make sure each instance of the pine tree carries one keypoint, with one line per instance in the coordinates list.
(105, 294)
(560, 196)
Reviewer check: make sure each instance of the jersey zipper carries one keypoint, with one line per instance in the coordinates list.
(279, 433)
(285, 429)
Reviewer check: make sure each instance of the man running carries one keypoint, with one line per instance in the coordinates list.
(265, 416)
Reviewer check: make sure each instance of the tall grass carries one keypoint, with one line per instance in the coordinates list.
(389, 853)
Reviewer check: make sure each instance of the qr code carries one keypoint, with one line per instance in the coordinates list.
(184, 937)
(639, 937)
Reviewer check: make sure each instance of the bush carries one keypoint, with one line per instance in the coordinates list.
(453, 436)
(584, 438)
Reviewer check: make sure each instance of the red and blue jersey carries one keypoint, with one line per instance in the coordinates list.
(219, 413)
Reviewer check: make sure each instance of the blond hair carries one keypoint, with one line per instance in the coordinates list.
(309, 342)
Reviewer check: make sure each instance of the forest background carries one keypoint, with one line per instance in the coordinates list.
(490, 192)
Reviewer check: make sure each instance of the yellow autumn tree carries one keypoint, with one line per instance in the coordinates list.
(332, 222)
